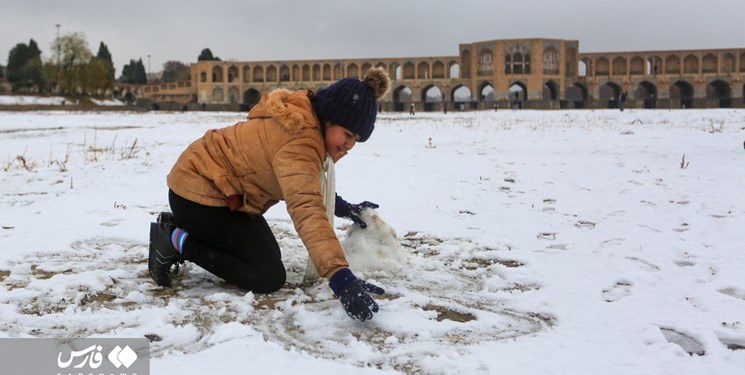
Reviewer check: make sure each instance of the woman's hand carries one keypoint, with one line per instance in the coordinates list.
(352, 211)
(354, 294)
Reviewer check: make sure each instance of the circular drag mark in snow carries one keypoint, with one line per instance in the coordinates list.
(451, 294)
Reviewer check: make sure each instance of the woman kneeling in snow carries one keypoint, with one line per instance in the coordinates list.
(225, 181)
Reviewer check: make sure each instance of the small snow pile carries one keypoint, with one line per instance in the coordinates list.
(375, 248)
(107, 102)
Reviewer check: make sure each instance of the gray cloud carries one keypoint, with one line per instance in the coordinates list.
(316, 29)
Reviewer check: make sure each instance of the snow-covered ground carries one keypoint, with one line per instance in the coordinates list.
(51, 100)
(538, 242)
(31, 100)
(108, 102)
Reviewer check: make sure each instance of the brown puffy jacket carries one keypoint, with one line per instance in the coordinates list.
(277, 154)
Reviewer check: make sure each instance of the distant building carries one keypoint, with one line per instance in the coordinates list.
(535, 73)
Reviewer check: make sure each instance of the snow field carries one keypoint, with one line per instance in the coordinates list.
(536, 242)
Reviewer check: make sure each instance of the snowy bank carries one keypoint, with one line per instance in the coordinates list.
(538, 242)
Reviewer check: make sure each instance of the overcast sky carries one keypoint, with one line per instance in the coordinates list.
(328, 29)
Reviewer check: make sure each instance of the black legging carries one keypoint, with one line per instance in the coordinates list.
(232, 245)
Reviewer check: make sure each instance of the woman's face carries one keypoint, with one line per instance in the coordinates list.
(339, 140)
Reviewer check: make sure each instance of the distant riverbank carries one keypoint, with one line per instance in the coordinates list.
(56, 103)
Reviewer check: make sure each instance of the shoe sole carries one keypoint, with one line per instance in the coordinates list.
(159, 274)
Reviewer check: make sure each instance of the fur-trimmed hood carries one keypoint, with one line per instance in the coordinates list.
(292, 109)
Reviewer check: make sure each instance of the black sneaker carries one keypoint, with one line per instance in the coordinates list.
(167, 217)
(162, 253)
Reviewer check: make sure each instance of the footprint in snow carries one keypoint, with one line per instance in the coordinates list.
(684, 263)
(644, 264)
(686, 342)
(621, 290)
(613, 242)
(734, 292)
(549, 205)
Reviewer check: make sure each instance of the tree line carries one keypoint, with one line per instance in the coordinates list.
(72, 68)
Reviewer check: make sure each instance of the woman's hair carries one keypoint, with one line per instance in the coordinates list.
(321, 120)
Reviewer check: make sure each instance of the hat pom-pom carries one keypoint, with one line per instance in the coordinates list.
(378, 80)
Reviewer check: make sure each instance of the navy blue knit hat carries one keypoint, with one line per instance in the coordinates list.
(352, 103)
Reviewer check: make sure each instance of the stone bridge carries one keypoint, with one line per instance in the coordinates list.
(524, 73)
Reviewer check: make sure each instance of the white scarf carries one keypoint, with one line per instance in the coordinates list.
(328, 191)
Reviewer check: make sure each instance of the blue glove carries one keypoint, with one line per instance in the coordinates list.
(352, 211)
(354, 294)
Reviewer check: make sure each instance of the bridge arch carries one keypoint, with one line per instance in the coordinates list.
(454, 70)
(619, 66)
(462, 97)
(258, 74)
(654, 63)
(395, 71)
(232, 73)
(583, 68)
(551, 90)
(681, 94)
(432, 97)
(609, 93)
(709, 63)
(690, 64)
(647, 92)
(365, 67)
(486, 92)
(602, 67)
(284, 73)
(233, 95)
(409, 70)
(353, 71)
(217, 74)
(518, 93)
(305, 72)
(577, 94)
(519, 88)
(672, 65)
(217, 95)
(720, 92)
(637, 66)
(438, 70)
(423, 70)
(402, 95)
(251, 97)
(271, 73)
(729, 63)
